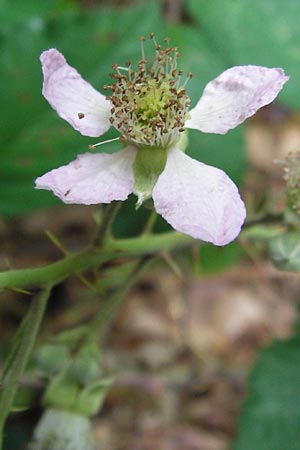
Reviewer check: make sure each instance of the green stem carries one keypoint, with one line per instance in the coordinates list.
(150, 223)
(11, 380)
(115, 299)
(104, 230)
(15, 347)
(91, 258)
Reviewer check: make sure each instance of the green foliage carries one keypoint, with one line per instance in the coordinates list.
(220, 34)
(259, 32)
(34, 139)
(271, 416)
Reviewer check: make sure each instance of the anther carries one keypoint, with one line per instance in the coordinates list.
(93, 146)
(80, 115)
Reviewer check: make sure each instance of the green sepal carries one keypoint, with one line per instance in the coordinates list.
(91, 398)
(148, 165)
(65, 394)
(62, 393)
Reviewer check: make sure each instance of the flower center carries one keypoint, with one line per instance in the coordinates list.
(150, 105)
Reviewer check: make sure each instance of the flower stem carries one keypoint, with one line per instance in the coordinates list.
(150, 223)
(109, 216)
(91, 258)
(12, 377)
(114, 300)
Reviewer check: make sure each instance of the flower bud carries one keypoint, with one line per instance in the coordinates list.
(79, 387)
(51, 358)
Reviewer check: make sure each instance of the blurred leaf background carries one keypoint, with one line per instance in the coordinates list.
(211, 37)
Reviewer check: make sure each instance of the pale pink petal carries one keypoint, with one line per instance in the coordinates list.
(235, 95)
(198, 200)
(92, 178)
(74, 99)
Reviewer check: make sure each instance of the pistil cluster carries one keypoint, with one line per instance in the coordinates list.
(150, 105)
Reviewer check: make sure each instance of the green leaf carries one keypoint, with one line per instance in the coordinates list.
(33, 138)
(213, 258)
(225, 152)
(259, 32)
(13, 12)
(271, 416)
(285, 251)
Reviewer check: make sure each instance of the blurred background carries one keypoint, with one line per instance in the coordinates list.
(184, 343)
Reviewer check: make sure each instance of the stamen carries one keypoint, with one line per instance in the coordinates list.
(149, 106)
(142, 40)
(93, 146)
(189, 76)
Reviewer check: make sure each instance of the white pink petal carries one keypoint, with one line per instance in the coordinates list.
(234, 96)
(92, 178)
(74, 99)
(198, 200)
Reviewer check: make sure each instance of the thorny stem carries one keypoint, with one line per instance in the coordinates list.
(91, 258)
(109, 215)
(12, 377)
